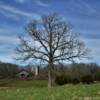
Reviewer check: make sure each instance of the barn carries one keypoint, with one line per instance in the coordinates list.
(24, 74)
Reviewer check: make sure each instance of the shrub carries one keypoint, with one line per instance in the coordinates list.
(2, 77)
(62, 79)
(87, 79)
(75, 81)
(97, 78)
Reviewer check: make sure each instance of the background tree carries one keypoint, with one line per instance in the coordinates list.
(51, 40)
(8, 70)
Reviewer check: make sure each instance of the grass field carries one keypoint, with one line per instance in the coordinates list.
(11, 89)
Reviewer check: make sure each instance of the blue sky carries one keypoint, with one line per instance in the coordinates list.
(84, 15)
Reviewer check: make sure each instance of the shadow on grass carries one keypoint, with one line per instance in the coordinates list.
(22, 83)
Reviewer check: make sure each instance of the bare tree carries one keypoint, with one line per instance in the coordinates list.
(51, 40)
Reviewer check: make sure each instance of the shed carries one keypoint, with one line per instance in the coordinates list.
(23, 74)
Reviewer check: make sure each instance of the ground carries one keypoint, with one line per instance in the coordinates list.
(14, 89)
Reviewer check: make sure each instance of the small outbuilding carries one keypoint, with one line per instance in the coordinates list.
(24, 74)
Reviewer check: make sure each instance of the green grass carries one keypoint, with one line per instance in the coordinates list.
(11, 89)
(22, 83)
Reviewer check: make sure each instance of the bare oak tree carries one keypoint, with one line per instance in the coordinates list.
(51, 40)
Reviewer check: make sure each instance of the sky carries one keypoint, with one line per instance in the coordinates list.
(84, 15)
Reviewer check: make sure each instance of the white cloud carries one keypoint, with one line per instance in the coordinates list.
(38, 2)
(10, 15)
(89, 8)
(8, 40)
(41, 3)
(8, 36)
(21, 1)
(15, 11)
(93, 45)
(6, 58)
(7, 46)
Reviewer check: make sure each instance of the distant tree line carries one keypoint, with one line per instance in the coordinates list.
(64, 73)
(77, 73)
(8, 70)
(73, 73)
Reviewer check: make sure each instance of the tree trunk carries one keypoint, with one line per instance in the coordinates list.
(49, 78)
(50, 75)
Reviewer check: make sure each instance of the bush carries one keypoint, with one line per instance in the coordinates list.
(87, 79)
(97, 78)
(2, 77)
(75, 81)
(62, 79)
